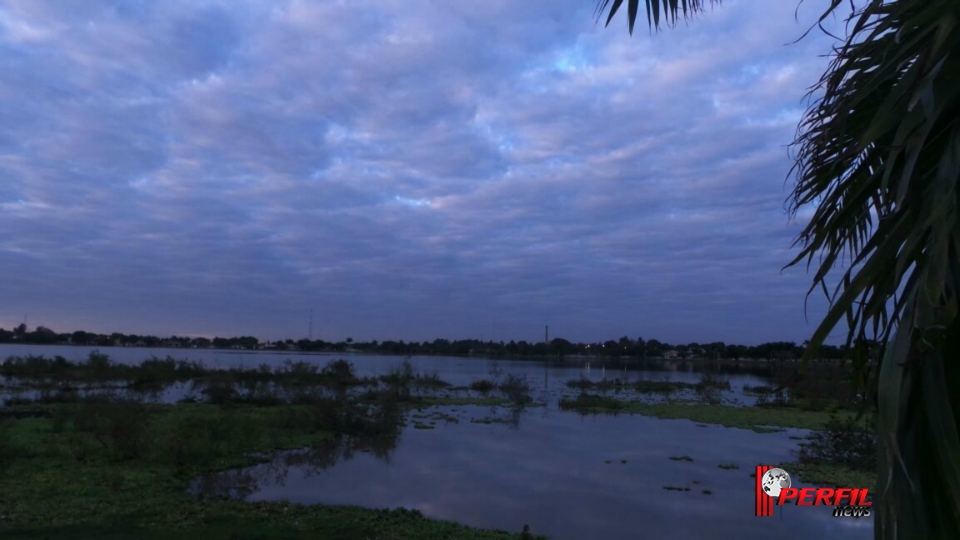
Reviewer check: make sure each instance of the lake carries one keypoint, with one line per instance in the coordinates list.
(568, 476)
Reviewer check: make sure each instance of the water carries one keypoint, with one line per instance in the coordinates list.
(456, 370)
(550, 471)
(544, 467)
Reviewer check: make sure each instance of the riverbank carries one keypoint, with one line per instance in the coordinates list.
(122, 470)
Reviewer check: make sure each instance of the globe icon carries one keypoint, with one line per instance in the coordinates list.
(774, 480)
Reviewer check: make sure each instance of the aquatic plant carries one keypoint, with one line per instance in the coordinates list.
(585, 402)
(482, 385)
(516, 389)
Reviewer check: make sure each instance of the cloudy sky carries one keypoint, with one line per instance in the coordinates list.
(407, 169)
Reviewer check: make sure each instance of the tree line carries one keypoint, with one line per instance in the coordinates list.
(623, 347)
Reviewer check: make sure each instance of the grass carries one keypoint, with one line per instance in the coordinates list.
(681, 458)
(490, 420)
(728, 466)
(760, 419)
(649, 387)
(99, 370)
(438, 401)
(121, 470)
(829, 475)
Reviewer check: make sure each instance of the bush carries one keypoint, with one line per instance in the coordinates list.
(516, 389)
(711, 382)
(7, 450)
(843, 442)
(98, 362)
(779, 399)
(429, 380)
(119, 426)
(195, 441)
(759, 389)
(482, 385)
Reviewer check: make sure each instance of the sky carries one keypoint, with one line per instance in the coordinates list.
(404, 169)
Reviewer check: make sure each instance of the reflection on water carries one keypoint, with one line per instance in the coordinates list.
(454, 369)
(568, 476)
(306, 463)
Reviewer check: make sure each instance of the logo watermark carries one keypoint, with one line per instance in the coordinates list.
(773, 488)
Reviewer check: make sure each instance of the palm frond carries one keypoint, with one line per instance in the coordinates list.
(667, 11)
(879, 157)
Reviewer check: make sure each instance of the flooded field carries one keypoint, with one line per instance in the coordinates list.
(511, 465)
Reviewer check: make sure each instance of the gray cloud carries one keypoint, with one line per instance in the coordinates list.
(409, 169)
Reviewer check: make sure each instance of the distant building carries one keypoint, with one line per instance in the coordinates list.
(671, 354)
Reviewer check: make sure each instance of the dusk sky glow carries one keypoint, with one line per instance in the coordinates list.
(407, 169)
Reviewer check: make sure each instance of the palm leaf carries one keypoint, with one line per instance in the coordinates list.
(879, 157)
(667, 11)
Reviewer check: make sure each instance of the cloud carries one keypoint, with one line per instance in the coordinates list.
(408, 169)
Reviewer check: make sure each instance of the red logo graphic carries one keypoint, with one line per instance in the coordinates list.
(773, 482)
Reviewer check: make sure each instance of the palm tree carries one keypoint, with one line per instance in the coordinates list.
(878, 155)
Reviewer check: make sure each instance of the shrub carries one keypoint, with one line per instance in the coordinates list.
(516, 389)
(843, 442)
(430, 380)
(587, 402)
(7, 450)
(339, 371)
(709, 381)
(119, 426)
(482, 385)
(98, 362)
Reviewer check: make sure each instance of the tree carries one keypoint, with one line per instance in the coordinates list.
(80, 337)
(879, 158)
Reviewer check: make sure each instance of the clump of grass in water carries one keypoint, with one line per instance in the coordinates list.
(758, 389)
(662, 387)
(607, 384)
(681, 458)
(676, 488)
(430, 380)
(728, 466)
(482, 385)
(516, 389)
(709, 381)
(592, 402)
(404, 377)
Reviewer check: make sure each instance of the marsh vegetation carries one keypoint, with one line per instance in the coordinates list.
(175, 445)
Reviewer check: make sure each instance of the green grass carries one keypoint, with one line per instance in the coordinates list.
(444, 401)
(827, 475)
(760, 419)
(64, 477)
